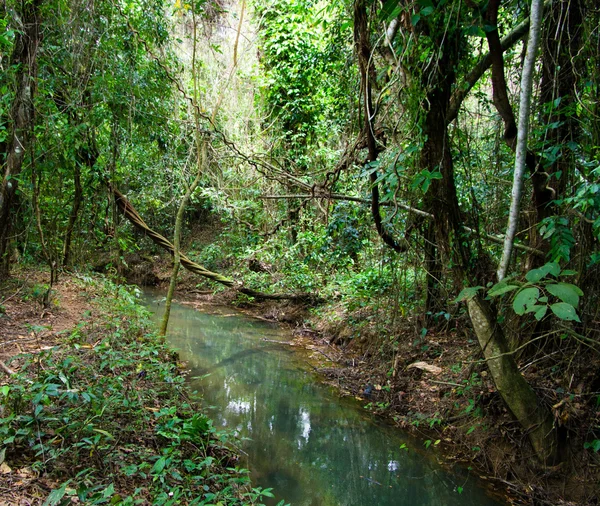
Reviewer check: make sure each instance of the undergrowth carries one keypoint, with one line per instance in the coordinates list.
(105, 418)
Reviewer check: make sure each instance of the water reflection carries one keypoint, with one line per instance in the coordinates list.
(312, 447)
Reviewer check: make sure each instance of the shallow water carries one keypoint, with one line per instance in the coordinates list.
(312, 447)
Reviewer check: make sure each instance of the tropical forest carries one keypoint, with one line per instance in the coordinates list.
(300, 252)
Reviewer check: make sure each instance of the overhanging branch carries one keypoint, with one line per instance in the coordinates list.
(485, 63)
(137, 221)
(499, 239)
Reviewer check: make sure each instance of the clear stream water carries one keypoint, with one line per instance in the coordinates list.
(313, 447)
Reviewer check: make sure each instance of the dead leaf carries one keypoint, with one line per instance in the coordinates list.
(5, 468)
(424, 366)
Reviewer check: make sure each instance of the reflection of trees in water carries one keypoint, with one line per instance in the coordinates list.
(311, 447)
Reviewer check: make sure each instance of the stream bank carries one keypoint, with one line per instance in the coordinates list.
(421, 387)
(94, 409)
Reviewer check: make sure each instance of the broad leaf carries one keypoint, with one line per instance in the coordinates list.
(526, 297)
(566, 292)
(539, 311)
(501, 288)
(159, 465)
(565, 311)
(56, 495)
(467, 293)
(534, 275)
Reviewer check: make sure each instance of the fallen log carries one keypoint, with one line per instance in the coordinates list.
(137, 221)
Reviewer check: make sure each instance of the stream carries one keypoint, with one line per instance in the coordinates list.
(311, 446)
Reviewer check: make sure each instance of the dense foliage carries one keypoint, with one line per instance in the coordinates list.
(360, 150)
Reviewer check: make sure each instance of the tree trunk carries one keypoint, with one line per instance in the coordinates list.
(24, 57)
(202, 157)
(442, 238)
(542, 195)
(522, 133)
(367, 75)
(87, 155)
(77, 200)
(517, 394)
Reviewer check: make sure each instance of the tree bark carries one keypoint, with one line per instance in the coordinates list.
(517, 393)
(543, 195)
(125, 207)
(522, 130)
(21, 119)
(202, 154)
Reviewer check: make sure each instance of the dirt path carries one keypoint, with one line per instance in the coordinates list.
(27, 324)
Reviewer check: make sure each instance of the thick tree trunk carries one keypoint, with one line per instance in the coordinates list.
(517, 393)
(442, 238)
(21, 118)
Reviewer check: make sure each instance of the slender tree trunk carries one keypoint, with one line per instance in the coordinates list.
(201, 158)
(542, 195)
(24, 57)
(77, 200)
(202, 155)
(87, 155)
(522, 133)
(367, 73)
(36, 180)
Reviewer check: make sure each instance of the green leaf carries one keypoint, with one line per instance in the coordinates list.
(159, 465)
(467, 293)
(565, 311)
(103, 432)
(526, 297)
(553, 268)
(108, 491)
(390, 10)
(5, 389)
(566, 292)
(534, 275)
(538, 311)
(501, 288)
(593, 445)
(56, 495)
(568, 272)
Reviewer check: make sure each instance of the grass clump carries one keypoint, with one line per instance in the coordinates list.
(105, 418)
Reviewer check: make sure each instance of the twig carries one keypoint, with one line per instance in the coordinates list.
(6, 369)
(17, 292)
